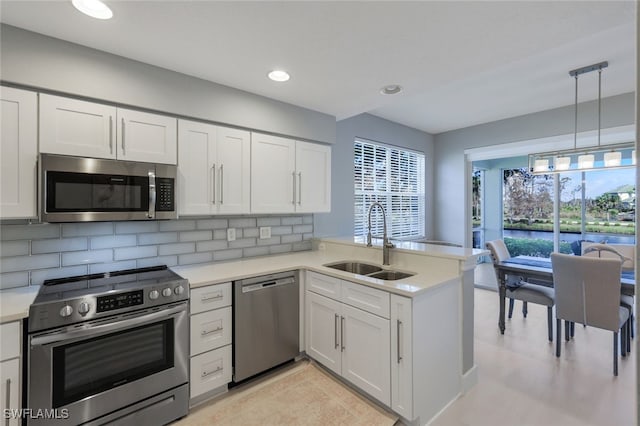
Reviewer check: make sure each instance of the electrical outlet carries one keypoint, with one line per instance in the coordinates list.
(265, 232)
(231, 234)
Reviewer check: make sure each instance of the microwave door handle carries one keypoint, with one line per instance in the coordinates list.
(97, 330)
(152, 195)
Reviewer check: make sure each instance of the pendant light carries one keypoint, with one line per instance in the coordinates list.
(591, 158)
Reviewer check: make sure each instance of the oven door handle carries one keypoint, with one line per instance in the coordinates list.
(104, 328)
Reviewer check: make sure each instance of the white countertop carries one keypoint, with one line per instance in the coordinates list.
(424, 278)
(15, 302)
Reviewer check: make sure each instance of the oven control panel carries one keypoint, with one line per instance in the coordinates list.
(118, 301)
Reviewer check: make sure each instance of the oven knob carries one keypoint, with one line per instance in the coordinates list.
(167, 292)
(153, 295)
(66, 311)
(178, 290)
(84, 308)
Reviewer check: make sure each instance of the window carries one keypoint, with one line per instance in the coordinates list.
(394, 178)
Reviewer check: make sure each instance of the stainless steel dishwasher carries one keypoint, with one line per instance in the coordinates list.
(265, 323)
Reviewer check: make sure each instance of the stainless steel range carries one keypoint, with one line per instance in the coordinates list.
(110, 349)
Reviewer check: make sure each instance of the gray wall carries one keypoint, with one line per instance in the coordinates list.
(49, 64)
(450, 168)
(340, 221)
(32, 253)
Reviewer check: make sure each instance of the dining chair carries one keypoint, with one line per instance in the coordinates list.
(517, 289)
(626, 254)
(588, 292)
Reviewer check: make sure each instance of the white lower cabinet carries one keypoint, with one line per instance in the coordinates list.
(401, 357)
(211, 337)
(210, 370)
(350, 341)
(10, 368)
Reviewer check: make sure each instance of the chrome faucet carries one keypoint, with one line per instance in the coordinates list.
(386, 244)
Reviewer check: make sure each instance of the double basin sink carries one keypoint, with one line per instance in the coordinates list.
(369, 270)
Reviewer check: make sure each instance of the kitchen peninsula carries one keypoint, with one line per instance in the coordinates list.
(427, 318)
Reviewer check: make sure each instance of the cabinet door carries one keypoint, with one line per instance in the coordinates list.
(79, 128)
(211, 330)
(366, 353)
(401, 357)
(313, 172)
(272, 174)
(323, 331)
(196, 168)
(234, 174)
(147, 137)
(18, 153)
(10, 389)
(210, 370)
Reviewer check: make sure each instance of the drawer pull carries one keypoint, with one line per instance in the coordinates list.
(207, 332)
(212, 298)
(208, 373)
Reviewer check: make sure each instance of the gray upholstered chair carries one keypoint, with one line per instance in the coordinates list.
(588, 292)
(520, 290)
(626, 254)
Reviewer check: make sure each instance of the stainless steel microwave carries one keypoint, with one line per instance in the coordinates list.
(76, 189)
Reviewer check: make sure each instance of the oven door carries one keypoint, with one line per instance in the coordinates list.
(100, 367)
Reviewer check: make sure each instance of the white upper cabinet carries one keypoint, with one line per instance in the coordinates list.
(18, 153)
(273, 174)
(147, 137)
(87, 129)
(313, 170)
(80, 128)
(289, 176)
(214, 169)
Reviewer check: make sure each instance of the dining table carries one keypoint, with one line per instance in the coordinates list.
(538, 271)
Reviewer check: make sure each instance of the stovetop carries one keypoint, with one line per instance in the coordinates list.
(81, 298)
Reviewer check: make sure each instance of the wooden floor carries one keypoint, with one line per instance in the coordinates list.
(521, 382)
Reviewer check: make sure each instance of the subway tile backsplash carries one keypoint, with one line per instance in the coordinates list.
(30, 254)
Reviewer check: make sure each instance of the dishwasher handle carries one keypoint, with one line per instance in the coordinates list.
(267, 284)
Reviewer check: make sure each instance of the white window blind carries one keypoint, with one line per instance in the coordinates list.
(394, 178)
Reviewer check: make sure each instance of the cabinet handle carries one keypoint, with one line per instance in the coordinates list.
(213, 184)
(110, 134)
(123, 136)
(398, 325)
(208, 373)
(293, 200)
(210, 299)
(342, 339)
(299, 188)
(8, 400)
(335, 332)
(207, 332)
(221, 183)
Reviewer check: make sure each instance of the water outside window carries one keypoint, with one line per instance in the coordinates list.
(594, 206)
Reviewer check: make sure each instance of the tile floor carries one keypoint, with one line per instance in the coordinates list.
(521, 382)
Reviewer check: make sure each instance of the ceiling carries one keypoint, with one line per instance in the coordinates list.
(460, 63)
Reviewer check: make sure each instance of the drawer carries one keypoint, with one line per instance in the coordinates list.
(366, 298)
(9, 340)
(211, 330)
(210, 297)
(324, 285)
(10, 389)
(210, 370)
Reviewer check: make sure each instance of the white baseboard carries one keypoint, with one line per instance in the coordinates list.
(469, 379)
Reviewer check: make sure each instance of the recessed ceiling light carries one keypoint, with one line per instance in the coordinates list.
(94, 8)
(279, 75)
(391, 89)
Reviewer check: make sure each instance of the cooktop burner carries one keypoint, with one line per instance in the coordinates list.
(81, 298)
